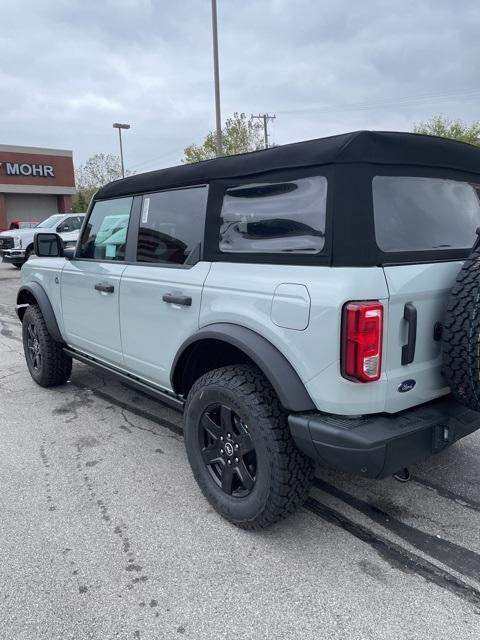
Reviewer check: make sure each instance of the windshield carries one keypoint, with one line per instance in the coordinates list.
(417, 214)
(50, 222)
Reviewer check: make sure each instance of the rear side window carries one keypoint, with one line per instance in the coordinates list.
(105, 235)
(171, 225)
(418, 214)
(275, 217)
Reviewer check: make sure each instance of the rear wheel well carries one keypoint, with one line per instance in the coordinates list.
(25, 298)
(204, 356)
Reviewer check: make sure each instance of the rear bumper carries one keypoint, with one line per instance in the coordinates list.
(378, 446)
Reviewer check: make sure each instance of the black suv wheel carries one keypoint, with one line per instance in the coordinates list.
(240, 448)
(46, 361)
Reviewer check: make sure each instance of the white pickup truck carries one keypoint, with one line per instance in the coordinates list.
(16, 245)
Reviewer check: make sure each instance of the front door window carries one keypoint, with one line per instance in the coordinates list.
(105, 235)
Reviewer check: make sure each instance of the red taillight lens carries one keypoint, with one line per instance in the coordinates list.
(362, 341)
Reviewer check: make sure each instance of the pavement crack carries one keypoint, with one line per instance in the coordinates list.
(9, 375)
(141, 413)
(132, 425)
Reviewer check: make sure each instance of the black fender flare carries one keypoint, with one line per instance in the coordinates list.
(38, 292)
(274, 365)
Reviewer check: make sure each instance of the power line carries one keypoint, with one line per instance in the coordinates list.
(399, 102)
(265, 117)
(156, 159)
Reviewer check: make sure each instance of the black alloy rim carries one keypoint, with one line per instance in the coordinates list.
(33, 346)
(228, 451)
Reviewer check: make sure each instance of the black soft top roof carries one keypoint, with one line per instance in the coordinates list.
(373, 147)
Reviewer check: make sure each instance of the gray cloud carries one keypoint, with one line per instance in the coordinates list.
(69, 69)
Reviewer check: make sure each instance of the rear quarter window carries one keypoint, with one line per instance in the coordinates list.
(275, 217)
(418, 214)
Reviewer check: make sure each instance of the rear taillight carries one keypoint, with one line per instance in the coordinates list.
(362, 341)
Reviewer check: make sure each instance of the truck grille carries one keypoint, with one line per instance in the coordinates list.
(6, 243)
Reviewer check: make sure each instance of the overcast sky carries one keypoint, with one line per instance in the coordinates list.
(69, 69)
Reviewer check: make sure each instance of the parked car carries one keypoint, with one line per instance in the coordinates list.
(16, 246)
(295, 303)
(21, 224)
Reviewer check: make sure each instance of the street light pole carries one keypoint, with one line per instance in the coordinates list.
(218, 117)
(120, 126)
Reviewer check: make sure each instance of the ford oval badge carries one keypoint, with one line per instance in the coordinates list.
(406, 385)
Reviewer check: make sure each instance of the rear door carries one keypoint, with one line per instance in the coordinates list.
(420, 214)
(160, 294)
(90, 283)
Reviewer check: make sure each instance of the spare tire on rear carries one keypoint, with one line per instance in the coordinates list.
(461, 335)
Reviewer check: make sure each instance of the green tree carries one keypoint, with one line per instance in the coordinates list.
(456, 129)
(95, 173)
(239, 135)
(80, 202)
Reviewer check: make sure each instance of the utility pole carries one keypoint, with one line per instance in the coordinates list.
(265, 117)
(216, 73)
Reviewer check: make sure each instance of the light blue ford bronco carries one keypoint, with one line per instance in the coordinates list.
(313, 302)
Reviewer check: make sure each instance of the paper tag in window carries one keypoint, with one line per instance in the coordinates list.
(146, 207)
(110, 250)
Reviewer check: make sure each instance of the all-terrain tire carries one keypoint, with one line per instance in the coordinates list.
(283, 473)
(53, 367)
(461, 335)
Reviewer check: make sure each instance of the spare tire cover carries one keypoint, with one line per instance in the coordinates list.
(461, 335)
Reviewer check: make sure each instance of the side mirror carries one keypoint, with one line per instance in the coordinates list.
(48, 245)
(63, 228)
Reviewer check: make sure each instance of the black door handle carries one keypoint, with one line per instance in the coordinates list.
(408, 350)
(173, 299)
(106, 288)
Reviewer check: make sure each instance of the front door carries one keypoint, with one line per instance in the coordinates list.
(160, 294)
(90, 284)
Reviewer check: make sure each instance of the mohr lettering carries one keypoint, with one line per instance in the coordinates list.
(12, 169)
(25, 169)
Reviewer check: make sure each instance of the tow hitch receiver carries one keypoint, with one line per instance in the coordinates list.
(442, 436)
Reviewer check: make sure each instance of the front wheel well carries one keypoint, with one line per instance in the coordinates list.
(25, 298)
(201, 357)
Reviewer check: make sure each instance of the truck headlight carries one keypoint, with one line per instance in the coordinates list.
(17, 242)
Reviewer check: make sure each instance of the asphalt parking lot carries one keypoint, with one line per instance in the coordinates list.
(104, 534)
